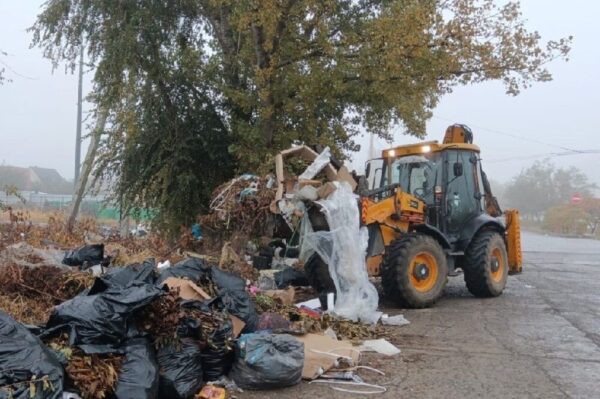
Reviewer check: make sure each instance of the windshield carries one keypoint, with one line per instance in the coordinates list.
(417, 174)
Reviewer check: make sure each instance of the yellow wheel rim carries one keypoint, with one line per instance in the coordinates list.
(423, 272)
(497, 265)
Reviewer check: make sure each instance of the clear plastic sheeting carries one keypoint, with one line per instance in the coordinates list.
(343, 248)
(318, 164)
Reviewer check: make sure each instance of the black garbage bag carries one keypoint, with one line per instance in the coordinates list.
(239, 304)
(101, 322)
(217, 357)
(92, 254)
(267, 361)
(290, 276)
(232, 296)
(227, 281)
(122, 276)
(23, 357)
(193, 269)
(261, 262)
(181, 375)
(138, 377)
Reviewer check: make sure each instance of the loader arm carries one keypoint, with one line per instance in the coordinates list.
(395, 214)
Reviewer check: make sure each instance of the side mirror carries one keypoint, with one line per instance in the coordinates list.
(458, 169)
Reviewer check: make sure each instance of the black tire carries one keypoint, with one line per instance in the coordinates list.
(485, 278)
(398, 280)
(317, 274)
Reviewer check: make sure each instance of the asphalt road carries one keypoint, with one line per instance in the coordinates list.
(540, 339)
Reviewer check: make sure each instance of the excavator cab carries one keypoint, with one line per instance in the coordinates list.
(430, 213)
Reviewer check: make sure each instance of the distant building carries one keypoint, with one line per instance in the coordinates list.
(34, 179)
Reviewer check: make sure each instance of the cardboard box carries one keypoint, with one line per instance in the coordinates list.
(303, 152)
(187, 289)
(320, 354)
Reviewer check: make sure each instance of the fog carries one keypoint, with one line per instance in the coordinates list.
(38, 107)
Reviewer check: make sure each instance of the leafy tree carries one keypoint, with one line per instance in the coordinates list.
(542, 186)
(165, 146)
(566, 219)
(274, 72)
(591, 206)
(571, 181)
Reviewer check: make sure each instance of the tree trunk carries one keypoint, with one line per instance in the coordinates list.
(88, 163)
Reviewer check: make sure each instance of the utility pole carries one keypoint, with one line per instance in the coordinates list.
(79, 115)
(372, 154)
(88, 163)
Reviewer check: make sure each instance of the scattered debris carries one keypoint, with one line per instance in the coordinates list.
(370, 389)
(380, 346)
(322, 353)
(212, 392)
(398, 320)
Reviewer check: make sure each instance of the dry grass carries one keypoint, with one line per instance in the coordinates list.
(29, 294)
(94, 376)
(25, 310)
(38, 216)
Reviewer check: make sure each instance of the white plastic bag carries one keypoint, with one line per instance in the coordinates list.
(344, 248)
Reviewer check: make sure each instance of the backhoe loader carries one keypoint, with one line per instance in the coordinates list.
(429, 211)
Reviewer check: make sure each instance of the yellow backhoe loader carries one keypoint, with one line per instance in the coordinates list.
(429, 211)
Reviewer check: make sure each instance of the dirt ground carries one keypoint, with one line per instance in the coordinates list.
(540, 339)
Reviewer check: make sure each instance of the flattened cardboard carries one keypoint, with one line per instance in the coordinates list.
(187, 289)
(238, 325)
(317, 363)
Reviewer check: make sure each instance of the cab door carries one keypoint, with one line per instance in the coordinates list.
(462, 194)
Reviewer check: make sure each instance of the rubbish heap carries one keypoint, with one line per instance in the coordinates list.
(200, 326)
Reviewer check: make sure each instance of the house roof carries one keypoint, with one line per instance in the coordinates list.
(34, 179)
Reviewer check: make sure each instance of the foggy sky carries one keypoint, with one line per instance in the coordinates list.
(38, 108)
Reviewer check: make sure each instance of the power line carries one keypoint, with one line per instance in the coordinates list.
(546, 155)
(571, 150)
(15, 72)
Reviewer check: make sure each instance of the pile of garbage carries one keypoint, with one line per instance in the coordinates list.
(144, 332)
(241, 204)
(78, 322)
